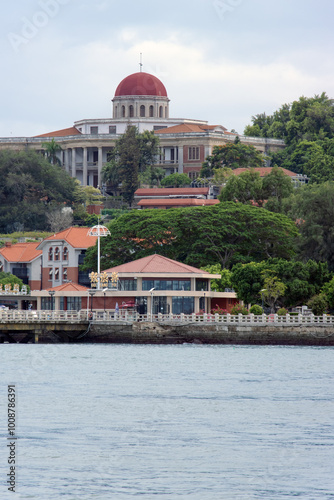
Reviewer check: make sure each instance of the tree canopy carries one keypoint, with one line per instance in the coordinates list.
(29, 187)
(225, 233)
(302, 280)
(307, 127)
(134, 154)
(231, 155)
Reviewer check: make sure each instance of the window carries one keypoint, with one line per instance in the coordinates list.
(201, 285)
(166, 285)
(183, 305)
(57, 274)
(193, 153)
(142, 110)
(65, 253)
(50, 253)
(123, 111)
(1, 266)
(151, 111)
(94, 130)
(65, 273)
(127, 284)
(131, 111)
(112, 129)
(73, 303)
(57, 253)
(47, 303)
(95, 156)
(161, 112)
(50, 274)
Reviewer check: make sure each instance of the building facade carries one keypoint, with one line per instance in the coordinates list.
(140, 100)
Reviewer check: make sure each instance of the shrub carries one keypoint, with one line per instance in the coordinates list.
(218, 310)
(318, 304)
(239, 309)
(282, 311)
(256, 309)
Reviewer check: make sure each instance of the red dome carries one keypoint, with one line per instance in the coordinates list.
(141, 84)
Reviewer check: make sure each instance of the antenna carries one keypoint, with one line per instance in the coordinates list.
(141, 62)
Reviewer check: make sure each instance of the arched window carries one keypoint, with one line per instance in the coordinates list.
(116, 111)
(50, 253)
(166, 112)
(142, 111)
(160, 112)
(57, 273)
(131, 111)
(151, 111)
(123, 111)
(65, 253)
(57, 253)
(50, 274)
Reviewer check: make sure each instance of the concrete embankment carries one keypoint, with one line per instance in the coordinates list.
(199, 333)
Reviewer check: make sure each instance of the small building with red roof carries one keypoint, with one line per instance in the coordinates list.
(62, 254)
(24, 261)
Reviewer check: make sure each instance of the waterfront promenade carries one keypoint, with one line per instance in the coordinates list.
(131, 327)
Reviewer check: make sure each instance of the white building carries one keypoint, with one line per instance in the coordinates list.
(141, 100)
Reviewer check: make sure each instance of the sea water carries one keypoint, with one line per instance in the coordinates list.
(169, 422)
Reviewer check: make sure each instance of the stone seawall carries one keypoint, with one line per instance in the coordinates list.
(199, 333)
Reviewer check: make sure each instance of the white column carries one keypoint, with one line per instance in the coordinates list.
(99, 166)
(84, 166)
(180, 159)
(74, 170)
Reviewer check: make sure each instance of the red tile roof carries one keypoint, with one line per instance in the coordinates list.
(61, 133)
(21, 252)
(176, 202)
(263, 171)
(155, 264)
(170, 191)
(77, 237)
(185, 128)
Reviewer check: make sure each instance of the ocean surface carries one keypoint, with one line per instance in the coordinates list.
(169, 422)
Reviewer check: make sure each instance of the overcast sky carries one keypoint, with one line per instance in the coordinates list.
(220, 60)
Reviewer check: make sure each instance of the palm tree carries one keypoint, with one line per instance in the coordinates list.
(51, 148)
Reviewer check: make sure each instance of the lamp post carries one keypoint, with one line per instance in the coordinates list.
(151, 292)
(91, 293)
(52, 294)
(104, 300)
(98, 231)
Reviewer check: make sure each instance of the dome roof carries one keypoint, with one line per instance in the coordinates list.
(141, 84)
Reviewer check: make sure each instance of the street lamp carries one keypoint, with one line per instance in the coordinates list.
(151, 292)
(52, 294)
(104, 299)
(98, 231)
(91, 293)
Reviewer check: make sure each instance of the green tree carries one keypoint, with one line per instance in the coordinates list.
(10, 279)
(273, 289)
(313, 208)
(246, 187)
(231, 155)
(318, 304)
(276, 186)
(29, 187)
(224, 233)
(219, 285)
(175, 180)
(133, 154)
(52, 148)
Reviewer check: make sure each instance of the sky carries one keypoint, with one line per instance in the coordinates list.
(222, 61)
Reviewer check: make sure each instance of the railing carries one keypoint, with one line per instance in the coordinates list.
(15, 316)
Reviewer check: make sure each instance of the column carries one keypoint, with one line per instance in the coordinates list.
(74, 170)
(84, 166)
(180, 159)
(99, 166)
